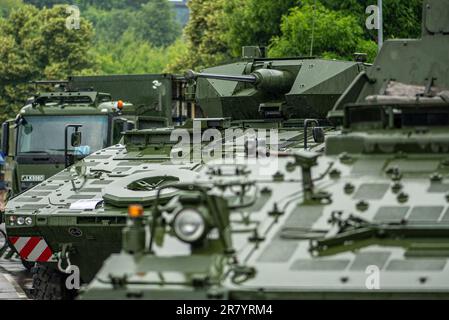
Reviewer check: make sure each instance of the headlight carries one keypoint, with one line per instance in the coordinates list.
(189, 226)
(20, 221)
(28, 221)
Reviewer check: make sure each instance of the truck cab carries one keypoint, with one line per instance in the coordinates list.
(40, 141)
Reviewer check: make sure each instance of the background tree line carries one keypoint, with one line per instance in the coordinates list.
(143, 36)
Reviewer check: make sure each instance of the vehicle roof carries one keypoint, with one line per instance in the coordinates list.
(90, 105)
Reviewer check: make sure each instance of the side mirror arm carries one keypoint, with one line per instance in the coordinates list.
(66, 147)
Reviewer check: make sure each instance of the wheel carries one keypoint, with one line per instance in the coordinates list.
(49, 284)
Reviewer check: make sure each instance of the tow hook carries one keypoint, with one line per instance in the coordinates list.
(64, 258)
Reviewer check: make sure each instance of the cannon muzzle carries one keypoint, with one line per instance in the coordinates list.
(270, 80)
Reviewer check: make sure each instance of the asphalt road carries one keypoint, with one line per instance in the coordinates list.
(15, 280)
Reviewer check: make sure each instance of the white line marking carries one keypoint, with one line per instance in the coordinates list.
(20, 293)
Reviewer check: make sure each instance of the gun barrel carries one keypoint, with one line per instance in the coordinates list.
(191, 75)
(269, 80)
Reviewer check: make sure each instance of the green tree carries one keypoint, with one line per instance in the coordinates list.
(36, 44)
(129, 56)
(336, 35)
(205, 35)
(85, 4)
(6, 6)
(402, 18)
(111, 25)
(156, 22)
(254, 22)
(45, 3)
(111, 4)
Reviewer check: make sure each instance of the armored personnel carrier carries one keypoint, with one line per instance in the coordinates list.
(367, 219)
(77, 107)
(76, 217)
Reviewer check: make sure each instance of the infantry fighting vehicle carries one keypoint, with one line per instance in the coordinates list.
(34, 154)
(76, 217)
(34, 141)
(263, 88)
(367, 219)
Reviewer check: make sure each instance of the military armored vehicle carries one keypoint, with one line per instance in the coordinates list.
(160, 99)
(76, 217)
(77, 105)
(33, 155)
(261, 88)
(367, 219)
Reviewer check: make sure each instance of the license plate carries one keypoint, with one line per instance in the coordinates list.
(32, 178)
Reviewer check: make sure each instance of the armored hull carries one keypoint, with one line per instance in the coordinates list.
(298, 248)
(82, 210)
(365, 220)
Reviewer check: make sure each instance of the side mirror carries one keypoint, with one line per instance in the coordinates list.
(318, 134)
(76, 139)
(5, 138)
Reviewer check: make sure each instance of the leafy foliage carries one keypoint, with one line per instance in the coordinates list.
(150, 20)
(6, 6)
(129, 56)
(254, 22)
(402, 18)
(111, 4)
(205, 35)
(84, 4)
(155, 23)
(36, 44)
(336, 34)
(109, 25)
(44, 3)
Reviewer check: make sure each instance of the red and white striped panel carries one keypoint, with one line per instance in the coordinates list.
(33, 249)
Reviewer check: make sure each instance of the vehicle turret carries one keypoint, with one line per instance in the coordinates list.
(401, 103)
(260, 88)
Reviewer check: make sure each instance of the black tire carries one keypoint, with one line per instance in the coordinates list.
(49, 284)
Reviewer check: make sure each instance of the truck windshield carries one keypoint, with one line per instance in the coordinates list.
(45, 134)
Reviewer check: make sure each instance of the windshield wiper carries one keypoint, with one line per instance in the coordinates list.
(355, 229)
